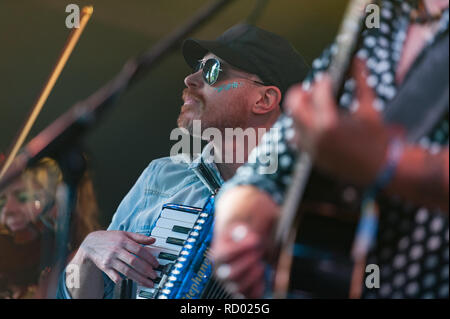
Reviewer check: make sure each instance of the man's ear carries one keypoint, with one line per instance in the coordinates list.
(269, 100)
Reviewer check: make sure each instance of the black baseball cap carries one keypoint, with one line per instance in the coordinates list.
(253, 50)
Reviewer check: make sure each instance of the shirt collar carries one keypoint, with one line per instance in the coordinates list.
(207, 171)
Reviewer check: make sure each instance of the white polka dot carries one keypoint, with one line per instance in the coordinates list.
(403, 243)
(396, 56)
(378, 105)
(390, 92)
(386, 13)
(405, 7)
(285, 161)
(350, 84)
(434, 243)
(384, 28)
(387, 78)
(416, 252)
(370, 41)
(422, 216)
(382, 66)
(413, 270)
(397, 47)
(382, 54)
(399, 280)
(346, 99)
(399, 261)
(288, 121)
(362, 54)
(419, 234)
(412, 289)
(383, 42)
(290, 133)
(317, 64)
(372, 81)
(281, 148)
(380, 89)
(371, 63)
(436, 225)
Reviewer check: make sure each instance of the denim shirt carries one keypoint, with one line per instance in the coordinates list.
(165, 180)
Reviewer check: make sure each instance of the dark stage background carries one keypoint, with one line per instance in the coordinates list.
(33, 32)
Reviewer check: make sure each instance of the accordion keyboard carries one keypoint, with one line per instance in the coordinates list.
(171, 232)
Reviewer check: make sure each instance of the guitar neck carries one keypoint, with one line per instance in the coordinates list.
(346, 43)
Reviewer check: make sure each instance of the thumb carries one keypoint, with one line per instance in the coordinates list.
(141, 239)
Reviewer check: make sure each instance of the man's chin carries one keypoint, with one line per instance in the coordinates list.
(187, 124)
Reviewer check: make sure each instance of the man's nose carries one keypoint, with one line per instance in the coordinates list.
(194, 80)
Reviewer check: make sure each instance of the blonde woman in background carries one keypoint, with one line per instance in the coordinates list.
(28, 214)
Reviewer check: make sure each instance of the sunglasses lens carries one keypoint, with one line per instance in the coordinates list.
(211, 71)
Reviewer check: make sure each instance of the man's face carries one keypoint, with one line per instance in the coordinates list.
(225, 104)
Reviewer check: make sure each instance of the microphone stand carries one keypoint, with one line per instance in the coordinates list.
(61, 140)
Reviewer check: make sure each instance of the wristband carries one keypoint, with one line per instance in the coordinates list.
(368, 224)
(387, 171)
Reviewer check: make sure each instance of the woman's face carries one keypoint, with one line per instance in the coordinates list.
(20, 205)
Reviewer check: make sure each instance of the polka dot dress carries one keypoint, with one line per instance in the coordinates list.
(412, 247)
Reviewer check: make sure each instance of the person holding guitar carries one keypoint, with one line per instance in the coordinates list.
(237, 82)
(388, 135)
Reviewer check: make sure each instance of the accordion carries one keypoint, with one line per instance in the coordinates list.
(183, 235)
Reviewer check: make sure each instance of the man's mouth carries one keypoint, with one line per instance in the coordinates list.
(190, 99)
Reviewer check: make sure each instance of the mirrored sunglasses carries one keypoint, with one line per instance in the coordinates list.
(211, 69)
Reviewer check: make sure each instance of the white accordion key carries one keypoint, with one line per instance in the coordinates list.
(169, 243)
(180, 233)
(179, 215)
(170, 223)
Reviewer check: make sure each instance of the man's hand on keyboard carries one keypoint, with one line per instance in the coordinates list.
(120, 252)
